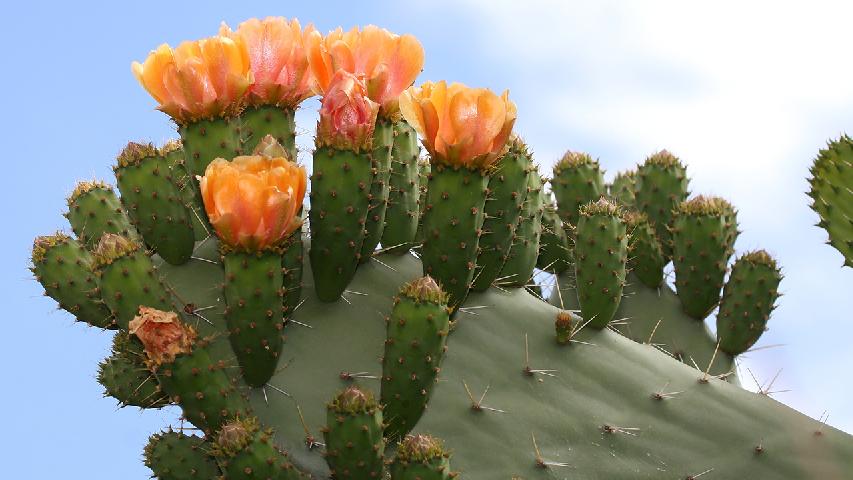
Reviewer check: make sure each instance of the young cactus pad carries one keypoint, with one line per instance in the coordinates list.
(832, 194)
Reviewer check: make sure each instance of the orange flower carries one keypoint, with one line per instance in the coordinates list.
(278, 58)
(252, 201)
(387, 63)
(201, 79)
(162, 334)
(347, 115)
(459, 126)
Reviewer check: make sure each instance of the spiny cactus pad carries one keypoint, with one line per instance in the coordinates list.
(832, 194)
(384, 361)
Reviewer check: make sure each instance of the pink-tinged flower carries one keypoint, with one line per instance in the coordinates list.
(200, 79)
(162, 334)
(459, 126)
(388, 63)
(253, 201)
(278, 58)
(347, 115)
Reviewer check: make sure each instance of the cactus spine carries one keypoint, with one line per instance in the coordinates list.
(353, 433)
(601, 252)
(832, 194)
(340, 187)
(748, 299)
(415, 344)
(508, 189)
(154, 202)
(403, 212)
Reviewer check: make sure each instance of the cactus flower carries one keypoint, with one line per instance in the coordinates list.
(388, 63)
(162, 334)
(459, 126)
(347, 115)
(197, 80)
(252, 201)
(278, 59)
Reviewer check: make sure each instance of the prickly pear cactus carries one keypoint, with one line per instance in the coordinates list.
(402, 361)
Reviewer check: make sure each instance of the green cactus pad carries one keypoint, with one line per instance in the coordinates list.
(340, 185)
(154, 202)
(353, 434)
(291, 270)
(402, 213)
(66, 271)
(832, 194)
(555, 250)
(173, 151)
(414, 346)
(202, 387)
(383, 141)
(508, 187)
(253, 296)
(701, 247)
(176, 456)
(126, 377)
(245, 451)
(645, 257)
(601, 252)
(93, 210)
(453, 221)
(577, 180)
(256, 122)
(565, 327)
(622, 188)
(424, 170)
(421, 457)
(207, 140)
(128, 279)
(660, 185)
(748, 298)
(522, 256)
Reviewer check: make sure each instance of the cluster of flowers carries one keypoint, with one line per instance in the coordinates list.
(361, 74)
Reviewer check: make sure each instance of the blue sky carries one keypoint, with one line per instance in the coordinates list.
(744, 94)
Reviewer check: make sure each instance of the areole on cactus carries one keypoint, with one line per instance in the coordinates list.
(415, 358)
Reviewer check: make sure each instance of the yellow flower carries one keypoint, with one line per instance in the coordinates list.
(199, 79)
(278, 58)
(347, 115)
(459, 126)
(386, 62)
(253, 201)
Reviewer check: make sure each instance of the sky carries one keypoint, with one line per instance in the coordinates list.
(744, 92)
